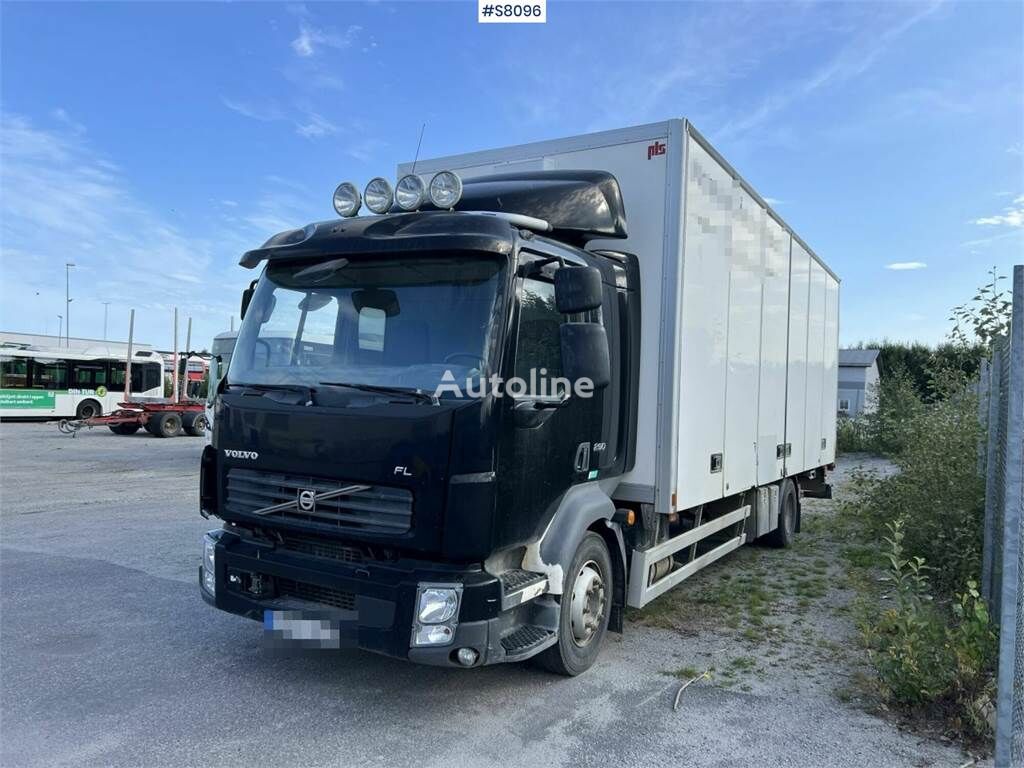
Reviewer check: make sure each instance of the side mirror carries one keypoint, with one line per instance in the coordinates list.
(585, 353)
(577, 289)
(247, 298)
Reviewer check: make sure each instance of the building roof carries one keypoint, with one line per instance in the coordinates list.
(858, 358)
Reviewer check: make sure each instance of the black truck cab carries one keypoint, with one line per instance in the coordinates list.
(413, 447)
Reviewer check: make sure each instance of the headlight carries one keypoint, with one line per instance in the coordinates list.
(445, 189)
(210, 564)
(409, 192)
(437, 605)
(378, 195)
(346, 199)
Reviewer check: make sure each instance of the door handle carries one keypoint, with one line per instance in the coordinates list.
(582, 463)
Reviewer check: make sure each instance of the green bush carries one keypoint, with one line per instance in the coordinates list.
(852, 435)
(930, 658)
(937, 491)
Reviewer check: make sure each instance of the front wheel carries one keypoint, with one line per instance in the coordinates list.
(585, 609)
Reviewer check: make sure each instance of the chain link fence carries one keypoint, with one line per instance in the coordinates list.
(1002, 579)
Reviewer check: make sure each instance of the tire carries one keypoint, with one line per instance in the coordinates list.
(167, 425)
(580, 634)
(194, 424)
(127, 428)
(88, 409)
(784, 535)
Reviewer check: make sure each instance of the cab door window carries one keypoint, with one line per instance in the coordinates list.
(539, 336)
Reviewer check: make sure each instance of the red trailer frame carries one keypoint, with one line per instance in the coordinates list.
(161, 418)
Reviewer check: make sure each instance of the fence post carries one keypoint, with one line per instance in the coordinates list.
(1010, 706)
(993, 517)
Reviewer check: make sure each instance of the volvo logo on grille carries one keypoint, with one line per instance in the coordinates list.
(231, 454)
(307, 500)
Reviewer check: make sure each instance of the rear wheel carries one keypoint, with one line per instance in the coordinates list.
(88, 409)
(784, 535)
(167, 425)
(194, 424)
(128, 428)
(585, 608)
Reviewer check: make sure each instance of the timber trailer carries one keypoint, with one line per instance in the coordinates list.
(160, 417)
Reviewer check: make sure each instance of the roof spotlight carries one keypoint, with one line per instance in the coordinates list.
(445, 189)
(346, 199)
(410, 192)
(378, 195)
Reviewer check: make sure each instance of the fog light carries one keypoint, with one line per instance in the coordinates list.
(467, 657)
(439, 634)
(445, 189)
(378, 195)
(410, 192)
(346, 199)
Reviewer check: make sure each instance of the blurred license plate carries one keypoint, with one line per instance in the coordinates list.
(296, 627)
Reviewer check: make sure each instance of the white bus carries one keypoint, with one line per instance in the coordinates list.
(55, 383)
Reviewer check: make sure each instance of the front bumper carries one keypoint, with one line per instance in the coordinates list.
(377, 598)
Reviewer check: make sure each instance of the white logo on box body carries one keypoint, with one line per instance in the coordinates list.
(250, 455)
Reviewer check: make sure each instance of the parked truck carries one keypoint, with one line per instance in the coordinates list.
(368, 501)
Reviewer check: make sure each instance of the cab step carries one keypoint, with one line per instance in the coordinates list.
(527, 641)
(519, 586)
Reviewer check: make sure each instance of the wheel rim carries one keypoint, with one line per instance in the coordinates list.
(790, 520)
(171, 426)
(88, 411)
(587, 604)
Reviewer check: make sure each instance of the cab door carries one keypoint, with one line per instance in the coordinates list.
(548, 433)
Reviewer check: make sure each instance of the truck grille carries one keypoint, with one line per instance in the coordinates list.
(314, 593)
(377, 509)
(329, 549)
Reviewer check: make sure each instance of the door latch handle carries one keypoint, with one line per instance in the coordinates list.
(582, 463)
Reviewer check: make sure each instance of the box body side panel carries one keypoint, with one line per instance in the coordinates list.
(771, 412)
(744, 344)
(705, 329)
(830, 388)
(813, 428)
(796, 385)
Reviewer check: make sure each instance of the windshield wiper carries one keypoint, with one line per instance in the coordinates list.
(380, 389)
(302, 388)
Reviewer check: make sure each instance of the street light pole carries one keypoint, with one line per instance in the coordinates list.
(67, 299)
(106, 306)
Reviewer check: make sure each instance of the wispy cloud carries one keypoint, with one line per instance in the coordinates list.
(852, 60)
(312, 38)
(903, 266)
(1012, 216)
(64, 199)
(307, 123)
(265, 113)
(61, 115)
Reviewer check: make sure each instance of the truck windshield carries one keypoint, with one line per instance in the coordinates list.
(383, 321)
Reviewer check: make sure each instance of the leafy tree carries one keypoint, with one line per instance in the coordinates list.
(985, 317)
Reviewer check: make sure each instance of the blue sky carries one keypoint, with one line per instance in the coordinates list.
(153, 143)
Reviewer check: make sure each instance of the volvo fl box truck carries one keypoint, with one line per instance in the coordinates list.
(533, 386)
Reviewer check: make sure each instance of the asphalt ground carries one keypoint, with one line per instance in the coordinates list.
(109, 657)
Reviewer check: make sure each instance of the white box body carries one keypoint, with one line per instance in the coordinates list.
(739, 337)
